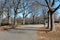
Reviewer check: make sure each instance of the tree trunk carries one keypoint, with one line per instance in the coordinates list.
(9, 14)
(1, 17)
(23, 21)
(52, 28)
(0, 20)
(8, 19)
(15, 21)
(33, 20)
(44, 23)
(48, 21)
(53, 23)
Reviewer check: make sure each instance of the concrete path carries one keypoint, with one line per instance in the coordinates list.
(17, 34)
(36, 25)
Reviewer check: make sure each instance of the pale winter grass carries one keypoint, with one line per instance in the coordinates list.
(42, 35)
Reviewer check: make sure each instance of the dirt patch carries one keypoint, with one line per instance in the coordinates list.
(18, 26)
(1, 29)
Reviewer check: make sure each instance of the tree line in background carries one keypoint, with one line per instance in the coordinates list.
(28, 12)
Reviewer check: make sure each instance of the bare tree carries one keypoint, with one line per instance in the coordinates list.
(44, 15)
(0, 17)
(26, 10)
(16, 5)
(35, 8)
(9, 12)
(51, 12)
(1, 12)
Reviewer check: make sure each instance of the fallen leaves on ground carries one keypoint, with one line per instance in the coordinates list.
(51, 35)
(2, 29)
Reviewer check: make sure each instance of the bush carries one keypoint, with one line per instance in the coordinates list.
(41, 22)
(3, 24)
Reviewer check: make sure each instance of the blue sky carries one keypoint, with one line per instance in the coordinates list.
(56, 4)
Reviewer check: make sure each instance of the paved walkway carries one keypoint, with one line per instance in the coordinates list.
(19, 34)
(36, 25)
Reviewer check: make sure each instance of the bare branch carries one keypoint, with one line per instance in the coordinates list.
(49, 6)
(27, 14)
(41, 4)
(56, 8)
(53, 3)
(47, 2)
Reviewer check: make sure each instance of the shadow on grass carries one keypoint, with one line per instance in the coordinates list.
(15, 31)
(23, 30)
(44, 31)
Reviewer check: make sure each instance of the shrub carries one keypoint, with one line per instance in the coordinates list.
(3, 24)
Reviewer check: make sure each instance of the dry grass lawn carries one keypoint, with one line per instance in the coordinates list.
(1, 29)
(43, 35)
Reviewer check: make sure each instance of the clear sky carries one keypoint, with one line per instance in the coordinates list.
(56, 4)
